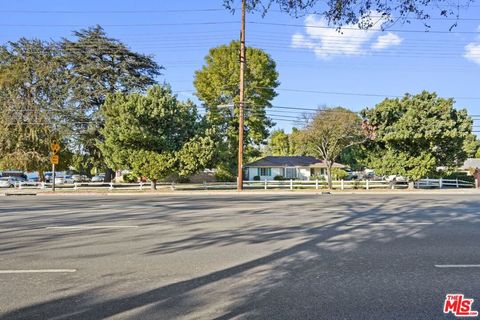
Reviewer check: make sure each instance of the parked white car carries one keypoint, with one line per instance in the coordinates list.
(10, 182)
(99, 178)
(396, 178)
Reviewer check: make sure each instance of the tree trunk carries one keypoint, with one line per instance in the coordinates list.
(153, 185)
(329, 175)
(109, 175)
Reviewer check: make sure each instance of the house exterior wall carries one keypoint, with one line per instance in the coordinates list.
(320, 171)
(303, 173)
(275, 171)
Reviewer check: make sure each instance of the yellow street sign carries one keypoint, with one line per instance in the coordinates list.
(55, 147)
(54, 159)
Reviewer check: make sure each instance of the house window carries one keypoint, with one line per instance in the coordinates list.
(265, 172)
(290, 173)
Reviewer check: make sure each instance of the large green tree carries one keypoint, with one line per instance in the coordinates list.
(278, 143)
(216, 86)
(32, 104)
(99, 66)
(366, 13)
(416, 134)
(472, 146)
(354, 157)
(329, 132)
(154, 135)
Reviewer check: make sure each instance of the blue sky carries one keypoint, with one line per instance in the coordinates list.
(317, 65)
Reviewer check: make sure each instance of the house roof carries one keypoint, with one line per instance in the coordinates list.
(290, 161)
(471, 163)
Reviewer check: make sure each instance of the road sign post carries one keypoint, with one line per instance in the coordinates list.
(54, 159)
(53, 177)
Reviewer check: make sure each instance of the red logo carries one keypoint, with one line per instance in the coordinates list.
(459, 306)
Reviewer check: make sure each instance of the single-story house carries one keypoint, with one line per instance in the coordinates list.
(291, 167)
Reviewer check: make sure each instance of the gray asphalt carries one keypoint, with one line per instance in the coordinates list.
(237, 256)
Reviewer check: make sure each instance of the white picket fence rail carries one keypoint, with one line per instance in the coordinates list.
(265, 184)
(84, 185)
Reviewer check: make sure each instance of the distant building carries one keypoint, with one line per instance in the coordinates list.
(294, 167)
(471, 163)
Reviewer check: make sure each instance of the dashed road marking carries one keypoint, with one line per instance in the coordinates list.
(457, 265)
(90, 227)
(37, 271)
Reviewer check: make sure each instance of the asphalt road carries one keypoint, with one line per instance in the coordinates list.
(285, 256)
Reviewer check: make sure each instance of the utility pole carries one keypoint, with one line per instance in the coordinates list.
(241, 101)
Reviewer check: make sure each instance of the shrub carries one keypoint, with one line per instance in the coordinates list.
(129, 178)
(460, 176)
(224, 175)
(319, 177)
(183, 179)
(278, 178)
(256, 178)
(339, 174)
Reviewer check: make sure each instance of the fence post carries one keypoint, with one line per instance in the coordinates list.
(457, 182)
(393, 185)
(316, 184)
(20, 185)
(367, 186)
(205, 184)
(440, 183)
(111, 186)
(291, 184)
(265, 184)
(141, 185)
(42, 185)
(75, 186)
(342, 184)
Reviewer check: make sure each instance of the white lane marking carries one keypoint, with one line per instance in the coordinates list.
(115, 206)
(38, 271)
(389, 223)
(90, 227)
(457, 265)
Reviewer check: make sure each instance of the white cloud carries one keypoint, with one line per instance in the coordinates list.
(472, 50)
(388, 40)
(327, 42)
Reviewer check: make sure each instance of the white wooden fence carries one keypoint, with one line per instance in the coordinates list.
(265, 184)
(321, 184)
(444, 183)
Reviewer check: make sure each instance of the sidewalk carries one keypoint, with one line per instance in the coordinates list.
(245, 192)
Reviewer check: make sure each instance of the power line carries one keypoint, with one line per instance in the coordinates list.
(153, 11)
(233, 22)
(358, 93)
(121, 25)
(359, 30)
